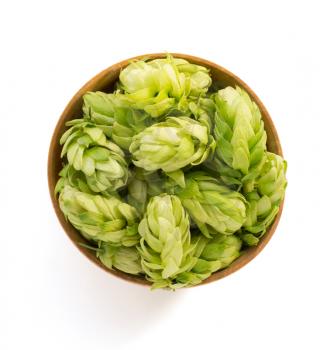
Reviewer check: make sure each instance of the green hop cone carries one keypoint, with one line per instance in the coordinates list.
(194, 79)
(100, 218)
(69, 176)
(142, 186)
(98, 107)
(88, 150)
(140, 76)
(272, 181)
(171, 145)
(126, 259)
(213, 255)
(260, 214)
(160, 85)
(147, 88)
(212, 206)
(203, 111)
(165, 246)
(128, 122)
(239, 130)
(122, 118)
(155, 107)
(265, 199)
(221, 249)
(177, 77)
(229, 176)
(137, 194)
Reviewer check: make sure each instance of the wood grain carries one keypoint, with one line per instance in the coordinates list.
(104, 81)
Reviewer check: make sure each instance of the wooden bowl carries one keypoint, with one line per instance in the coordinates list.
(104, 81)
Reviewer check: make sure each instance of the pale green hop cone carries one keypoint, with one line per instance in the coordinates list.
(197, 79)
(229, 176)
(128, 122)
(215, 254)
(239, 130)
(99, 218)
(126, 259)
(69, 176)
(123, 119)
(203, 111)
(162, 85)
(265, 199)
(171, 145)
(260, 214)
(175, 77)
(143, 185)
(165, 246)
(99, 108)
(211, 205)
(272, 180)
(148, 88)
(137, 194)
(88, 150)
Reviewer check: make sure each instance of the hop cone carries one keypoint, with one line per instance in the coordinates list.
(69, 176)
(142, 186)
(165, 244)
(264, 200)
(163, 84)
(213, 255)
(239, 130)
(171, 145)
(118, 113)
(230, 177)
(88, 150)
(272, 181)
(99, 107)
(177, 77)
(126, 259)
(128, 122)
(194, 79)
(203, 111)
(100, 218)
(137, 194)
(212, 206)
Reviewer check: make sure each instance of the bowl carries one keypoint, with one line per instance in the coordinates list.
(104, 81)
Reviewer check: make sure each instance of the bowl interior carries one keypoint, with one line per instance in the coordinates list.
(104, 81)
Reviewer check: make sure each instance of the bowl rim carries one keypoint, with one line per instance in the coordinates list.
(240, 262)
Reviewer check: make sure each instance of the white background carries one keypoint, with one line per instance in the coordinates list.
(52, 297)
